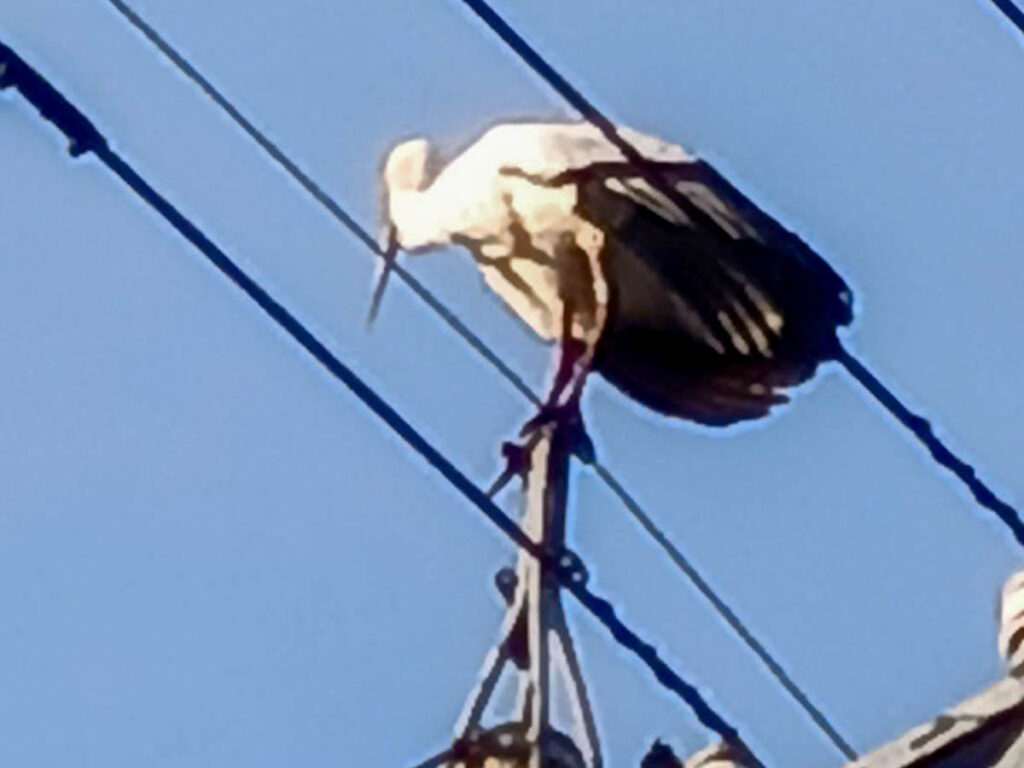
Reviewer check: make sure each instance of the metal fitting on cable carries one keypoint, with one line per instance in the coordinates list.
(569, 567)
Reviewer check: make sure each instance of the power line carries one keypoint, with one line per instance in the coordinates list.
(84, 137)
(917, 425)
(1012, 12)
(922, 429)
(321, 196)
(605, 475)
(683, 564)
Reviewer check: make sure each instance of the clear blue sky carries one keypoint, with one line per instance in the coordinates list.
(211, 555)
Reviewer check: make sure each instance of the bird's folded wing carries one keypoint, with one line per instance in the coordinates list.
(744, 275)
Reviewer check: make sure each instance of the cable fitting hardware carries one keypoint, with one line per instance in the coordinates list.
(569, 567)
(506, 581)
(81, 134)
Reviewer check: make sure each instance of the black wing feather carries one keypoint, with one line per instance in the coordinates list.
(714, 307)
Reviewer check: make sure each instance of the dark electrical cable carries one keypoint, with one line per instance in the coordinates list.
(917, 425)
(1012, 12)
(605, 475)
(683, 564)
(922, 429)
(321, 196)
(84, 137)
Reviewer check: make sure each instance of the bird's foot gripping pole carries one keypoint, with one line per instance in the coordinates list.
(535, 635)
(567, 419)
(561, 410)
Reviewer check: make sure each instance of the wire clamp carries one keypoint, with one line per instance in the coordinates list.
(569, 567)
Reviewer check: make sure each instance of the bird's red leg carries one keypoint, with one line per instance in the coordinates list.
(571, 353)
(581, 284)
(573, 363)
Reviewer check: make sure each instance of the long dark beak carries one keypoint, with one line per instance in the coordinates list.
(389, 254)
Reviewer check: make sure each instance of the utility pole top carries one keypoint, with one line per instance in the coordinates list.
(535, 636)
(536, 645)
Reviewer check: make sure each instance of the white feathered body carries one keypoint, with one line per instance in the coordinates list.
(478, 202)
(702, 312)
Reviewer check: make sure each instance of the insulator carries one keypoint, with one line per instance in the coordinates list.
(1011, 624)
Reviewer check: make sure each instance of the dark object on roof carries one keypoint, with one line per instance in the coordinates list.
(660, 756)
(715, 756)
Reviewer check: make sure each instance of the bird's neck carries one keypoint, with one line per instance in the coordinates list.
(419, 219)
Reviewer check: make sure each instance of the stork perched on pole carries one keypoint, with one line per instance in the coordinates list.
(645, 265)
(699, 306)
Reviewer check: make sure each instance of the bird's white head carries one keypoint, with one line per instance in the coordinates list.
(408, 171)
(406, 166)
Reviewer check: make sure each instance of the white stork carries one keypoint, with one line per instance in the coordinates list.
(698, 305)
